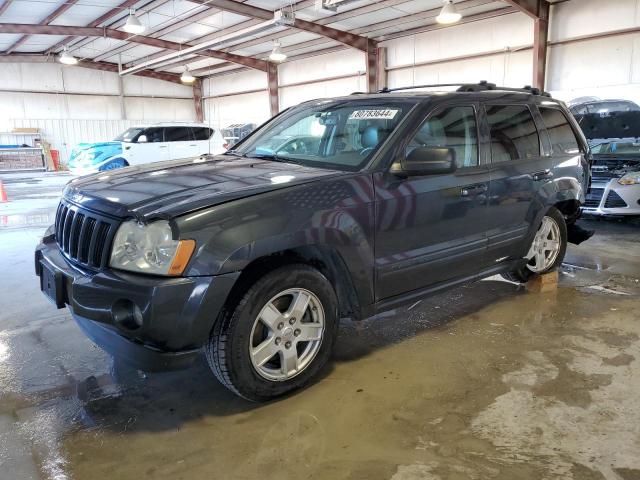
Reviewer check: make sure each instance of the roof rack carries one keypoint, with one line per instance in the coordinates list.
(481, 86)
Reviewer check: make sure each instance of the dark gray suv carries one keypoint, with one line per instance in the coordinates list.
(336, 208)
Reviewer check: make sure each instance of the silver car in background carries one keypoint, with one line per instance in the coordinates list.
(614, 138)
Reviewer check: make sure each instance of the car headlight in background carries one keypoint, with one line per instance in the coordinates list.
(631, 178)
(150, 249)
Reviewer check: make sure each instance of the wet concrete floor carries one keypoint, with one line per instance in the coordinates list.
(482, 382)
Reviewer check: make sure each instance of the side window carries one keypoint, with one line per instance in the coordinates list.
(563, 139)
(177, 134)
(453, 128)
(154, 135)
(513, 133)
(202, 133)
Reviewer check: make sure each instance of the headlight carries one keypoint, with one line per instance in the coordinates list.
(631, 178)
(150, 249)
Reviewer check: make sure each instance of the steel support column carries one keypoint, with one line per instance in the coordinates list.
(540, 45)
(197, 98)
(272, 80)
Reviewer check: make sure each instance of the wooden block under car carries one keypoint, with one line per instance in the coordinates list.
(547, 282)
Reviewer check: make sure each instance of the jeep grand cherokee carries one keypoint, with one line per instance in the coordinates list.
(255, 255)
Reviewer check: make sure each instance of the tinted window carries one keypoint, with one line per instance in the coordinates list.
(177, 134)
(453, 128)
(202, 133)
(154, 135)
(128, 135)
(513, 133)
(563, 140)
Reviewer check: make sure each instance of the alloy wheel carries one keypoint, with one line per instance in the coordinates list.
(287, 334)
(545, 246)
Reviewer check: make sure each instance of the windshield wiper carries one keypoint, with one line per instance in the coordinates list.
(234, 153)
(273, 157)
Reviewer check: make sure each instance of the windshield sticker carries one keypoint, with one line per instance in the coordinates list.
(387, 114)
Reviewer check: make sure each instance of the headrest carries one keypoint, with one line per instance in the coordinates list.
(370, 137)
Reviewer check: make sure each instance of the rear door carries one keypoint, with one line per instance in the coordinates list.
(182, 143)
(520, 167)
(430, 229)
(149, 146)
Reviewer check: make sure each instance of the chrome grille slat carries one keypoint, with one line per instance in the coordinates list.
(83, 236)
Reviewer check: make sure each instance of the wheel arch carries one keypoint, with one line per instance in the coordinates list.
(325, 259)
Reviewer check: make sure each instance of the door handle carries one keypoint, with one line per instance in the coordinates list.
(193, 145)
(473, 190)
(544, 175)
(162, 146)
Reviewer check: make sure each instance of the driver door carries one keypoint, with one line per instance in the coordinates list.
(148, 147)
(431, 228)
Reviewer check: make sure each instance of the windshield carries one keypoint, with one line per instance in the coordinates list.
(128, 135)
(630, 146)
(341, 136)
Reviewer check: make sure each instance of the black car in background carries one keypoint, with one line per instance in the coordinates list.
(254, 256)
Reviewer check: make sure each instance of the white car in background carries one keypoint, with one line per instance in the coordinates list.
(146, 144)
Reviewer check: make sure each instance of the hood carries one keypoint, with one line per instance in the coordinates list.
(87, 154)
(175, 187)
(610, 125)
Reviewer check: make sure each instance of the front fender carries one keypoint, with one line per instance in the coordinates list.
(337, 214)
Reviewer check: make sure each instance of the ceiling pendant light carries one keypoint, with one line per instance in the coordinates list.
(277, 55)
(449, 13)
(187, 76)
(67, 59)
(133, 24)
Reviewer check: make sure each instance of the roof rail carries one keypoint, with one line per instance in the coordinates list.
(481, 86)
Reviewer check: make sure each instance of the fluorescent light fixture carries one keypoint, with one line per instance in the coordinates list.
(277, 55)
(67, 59)
(133, 24)
(187, 76)
(449, 13)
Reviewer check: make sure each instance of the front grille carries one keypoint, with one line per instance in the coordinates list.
(83, 236)
(594, 197)
(614, 201)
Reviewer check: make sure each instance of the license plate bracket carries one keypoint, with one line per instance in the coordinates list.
(52, 284)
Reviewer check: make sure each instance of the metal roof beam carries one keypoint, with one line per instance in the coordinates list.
(103, 66)
(536, 9)
(50, 18)
(6, 4)
(119, 35)
(351, 40)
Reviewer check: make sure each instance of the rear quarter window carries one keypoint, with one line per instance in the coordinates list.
(202, 133)
(561, 135)
(513, 133)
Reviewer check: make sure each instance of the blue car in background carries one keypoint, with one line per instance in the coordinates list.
(146, 144)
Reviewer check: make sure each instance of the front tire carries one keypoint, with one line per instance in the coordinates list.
(547, 249)
(278, 337)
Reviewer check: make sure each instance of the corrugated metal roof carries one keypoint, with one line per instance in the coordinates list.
(191, 22)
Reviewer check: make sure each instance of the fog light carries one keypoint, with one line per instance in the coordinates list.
(126, 314)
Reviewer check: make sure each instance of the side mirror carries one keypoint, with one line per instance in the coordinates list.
(142, 139)
(429, 161)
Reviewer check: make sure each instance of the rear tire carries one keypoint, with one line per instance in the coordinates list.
(538, 265)
(251, 349)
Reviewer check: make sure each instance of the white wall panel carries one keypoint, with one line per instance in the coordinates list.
(346, 62)
(331, 88)
(247, 108)
(149, 87)
(477, 37)
(165, 108)
(586, 17)
(85, 80)
(238, 82)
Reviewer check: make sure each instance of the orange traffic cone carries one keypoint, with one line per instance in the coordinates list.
(3, 193)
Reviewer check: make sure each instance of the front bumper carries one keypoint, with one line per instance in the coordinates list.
(174, 316)
(608, 197)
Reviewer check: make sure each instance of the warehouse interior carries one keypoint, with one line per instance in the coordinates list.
(488, 380)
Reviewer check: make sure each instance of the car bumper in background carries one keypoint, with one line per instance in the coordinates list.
(152, 323)
(611, 198)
